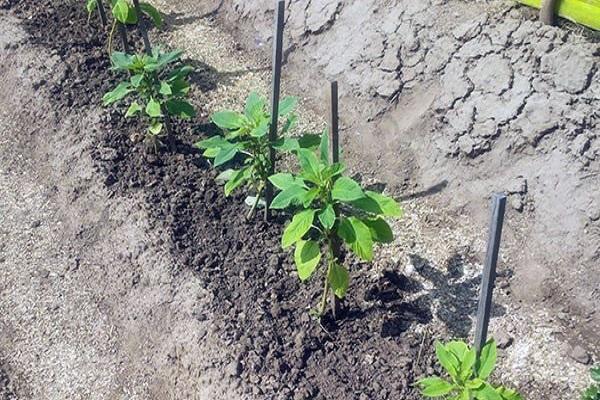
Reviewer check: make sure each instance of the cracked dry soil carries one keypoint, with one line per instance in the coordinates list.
(129, 275)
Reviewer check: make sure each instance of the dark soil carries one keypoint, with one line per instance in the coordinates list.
(260, 307)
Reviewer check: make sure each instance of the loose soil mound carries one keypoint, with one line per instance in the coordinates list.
(259, 306)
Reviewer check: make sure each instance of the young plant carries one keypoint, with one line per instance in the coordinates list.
(330, 209)
(593, 392)
(246, 135)
(468, 376)
(156, 88)
(123, 12)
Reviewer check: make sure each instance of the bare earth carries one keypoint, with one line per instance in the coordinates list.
(90, 307)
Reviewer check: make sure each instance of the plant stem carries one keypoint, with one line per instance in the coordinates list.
(326, 288)
(253, 209)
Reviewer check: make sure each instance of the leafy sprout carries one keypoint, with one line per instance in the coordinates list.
(468, 375)
(156, 88)
(123, 12)
(593, 392)
(246, 137)
(328, 208)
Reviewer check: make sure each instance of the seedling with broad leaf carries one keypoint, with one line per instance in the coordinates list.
(124, 13)
(328, 208)
(468, 374)
(593, 392)
(156, 87)
(245, 138)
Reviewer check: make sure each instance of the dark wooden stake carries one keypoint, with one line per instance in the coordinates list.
(142, 27)
(102, 13)
(334, 156)
(489, 270)
(275, 95)
(123, 34)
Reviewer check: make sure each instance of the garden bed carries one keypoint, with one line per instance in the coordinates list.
(260, 306)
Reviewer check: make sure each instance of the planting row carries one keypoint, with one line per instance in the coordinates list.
(331, 214)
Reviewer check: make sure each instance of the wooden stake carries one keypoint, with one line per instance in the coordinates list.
(275, 95)
(123, 34)
(102, 13)
(142, 27)
(489, 270)
(334, 156)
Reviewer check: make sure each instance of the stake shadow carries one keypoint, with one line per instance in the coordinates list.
(437, 188)
(207, 77)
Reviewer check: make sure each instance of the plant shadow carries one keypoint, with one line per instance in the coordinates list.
(397, 301)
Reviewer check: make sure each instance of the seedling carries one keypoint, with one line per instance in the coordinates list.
(123, 12)
(468, 374)
(593, 392)
(329, 206)
(157, 89)
(245, 136)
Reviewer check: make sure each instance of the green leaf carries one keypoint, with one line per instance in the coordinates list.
(339, 279)
(165, 89)
(487, 392)
(332, 171)
(228, 120)
(435, 387)
(347, 190)
(378, 204)
(307, 256)
(237, 179)
(287, 105)
(458, 348)
(136, 80)
(487, 360)
(309, 197)
(324, 147)
(155, 128)
(475, 383)
(120, 11)
(299, 226)
(181, 108)
(261, 130)
(289, 124)
(346, 232)
(164, 59)
(380, 230)
(225, 176)
(595, 374)
(91, 5)
(291, 195)
(509, 394)
(225, 155)
(362, 246)
(153, 109)
(153, 13)
(327, 217)
(284, 180)
(133, 109)
(255, 106)
(447, 360)
(464, 395)
(310, 165)
(467, 363)
(213, 142)
(118, 93)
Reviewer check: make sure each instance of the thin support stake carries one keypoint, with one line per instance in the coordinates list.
(102, 13)
(123, 34)
(334, 156)
(275, 95)
(489, 270)
(142, 27)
